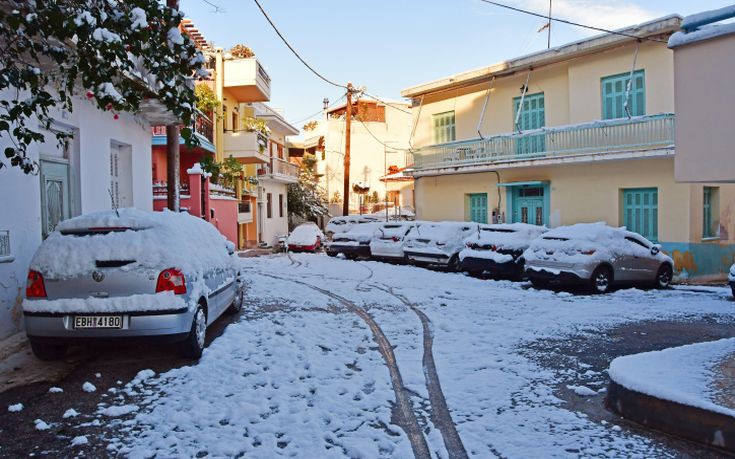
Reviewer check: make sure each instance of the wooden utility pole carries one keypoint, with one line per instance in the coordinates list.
(348, 128)
(548, 40)
(172, 153)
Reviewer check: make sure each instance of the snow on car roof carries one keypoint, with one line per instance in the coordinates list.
(158, 240)
(304, 234)
(509, 235)
(363, 229)
(432, 230)
(598, 231)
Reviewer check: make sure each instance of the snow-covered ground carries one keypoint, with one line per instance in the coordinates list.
(303, 375)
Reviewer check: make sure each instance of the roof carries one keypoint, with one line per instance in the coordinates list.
(700, 27)
(595, 44)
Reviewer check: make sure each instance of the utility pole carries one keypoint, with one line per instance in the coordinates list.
(548, 40)
(172, 153)
(348, 128)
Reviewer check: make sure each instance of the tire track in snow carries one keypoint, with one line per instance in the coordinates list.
(439, 409)
(407, 418)
(293, 262)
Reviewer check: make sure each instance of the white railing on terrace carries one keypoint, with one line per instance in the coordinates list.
(647, 132)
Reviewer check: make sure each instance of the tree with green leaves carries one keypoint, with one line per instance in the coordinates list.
(306, 198)
(121, 53)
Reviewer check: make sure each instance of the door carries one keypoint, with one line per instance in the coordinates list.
(478, 207)
(529, 205)
(54, 194)
(640, 211)
(121, 176)
(533, 116)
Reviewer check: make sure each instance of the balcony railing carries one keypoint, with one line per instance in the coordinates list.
(201, 124)
(278, 168)
(249, 146)
(650, 132)
(161, 189)
(247, 80)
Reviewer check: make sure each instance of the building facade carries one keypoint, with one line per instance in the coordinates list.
(580, 133)
(378, 143)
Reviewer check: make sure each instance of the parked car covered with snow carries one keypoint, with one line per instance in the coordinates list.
(438, 243)
(597, 255)
(498, 249)
(389, 239)
(132, 274)
(731, 279)
(307, 237)
(354, 243)
(338, 225)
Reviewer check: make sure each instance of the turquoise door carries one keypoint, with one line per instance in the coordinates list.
(529, 205)
(478, 207)
(640, 211)
(54, 194)
(533, 116)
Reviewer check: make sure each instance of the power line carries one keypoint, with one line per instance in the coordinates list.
(387, 103)
(564, 21)
(378, 140)
(320, 111)
(294, 51)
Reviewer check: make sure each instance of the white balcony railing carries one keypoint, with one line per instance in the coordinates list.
(280, 169)
(650, 132)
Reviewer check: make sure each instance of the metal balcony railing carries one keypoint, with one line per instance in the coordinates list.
(277, 166)
(648, 132)
(201, 124)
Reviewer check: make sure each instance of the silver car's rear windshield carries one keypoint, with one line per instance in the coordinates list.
(98, 231)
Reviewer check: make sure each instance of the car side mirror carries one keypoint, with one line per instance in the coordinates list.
(230, 247)
(655, 249)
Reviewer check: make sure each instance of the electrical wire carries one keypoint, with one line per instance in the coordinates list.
(320, 111)
(294, 51)
(378, 140)
(388, 103)
(564, 21)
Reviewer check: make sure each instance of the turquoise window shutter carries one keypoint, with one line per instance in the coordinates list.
(478, 207)
(614, 89)
(640, 211)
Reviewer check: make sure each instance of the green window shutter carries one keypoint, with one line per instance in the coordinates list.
(708, 229)
(640, 211)
(444, 127)
(533, 116)
(614, 89)
(478, 207)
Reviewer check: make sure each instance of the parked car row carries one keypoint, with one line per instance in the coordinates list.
(588, 254)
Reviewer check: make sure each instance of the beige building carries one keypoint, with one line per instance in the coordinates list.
(703, 69)
(579, 133)
(378, 145)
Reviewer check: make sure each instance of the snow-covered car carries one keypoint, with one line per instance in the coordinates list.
(438, 243)
(338, 225)
(388, 241)
(731, 279)
(597, 255)
(129, 274)
(498, 249)
(307, 237)
(354, 243)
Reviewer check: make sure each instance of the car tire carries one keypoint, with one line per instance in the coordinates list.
(453, 263)
(519, 272)
(475, 273)
(47, 352)
(601, 280)
(331, 254)
(193, 345)
(239, 300)
(538, 283)
(664, 276)
(351, 256)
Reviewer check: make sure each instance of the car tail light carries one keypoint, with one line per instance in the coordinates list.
(171, 280)
(494, 247)
(587, 252)
(35, 288)
(395, 238)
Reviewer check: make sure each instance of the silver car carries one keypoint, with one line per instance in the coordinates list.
(596, 255)
(162, 276)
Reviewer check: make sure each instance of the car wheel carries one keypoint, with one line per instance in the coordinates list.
(664, 276)
(239, 300)
(453, 264)
(601, 280)
(538, 283)
(519, 271)
(45, 351)
(351, 256)
(193, 346)
(475, 273)
(331, 254)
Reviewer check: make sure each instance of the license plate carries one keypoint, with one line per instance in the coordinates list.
(98, 321)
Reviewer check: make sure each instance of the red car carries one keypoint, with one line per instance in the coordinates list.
(306, 237)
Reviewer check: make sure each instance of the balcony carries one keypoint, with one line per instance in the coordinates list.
(280, 171)
(643, 136)
(201, 126)
(247, 80)
(248, 146)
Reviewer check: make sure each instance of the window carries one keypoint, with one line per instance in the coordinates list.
(243, 207)
(478, 207)
(710, 211)
(444, 127)
(640, 211)
(615, 87)
(269, 205)
(280, 205)
(533, 116)
(635, 240)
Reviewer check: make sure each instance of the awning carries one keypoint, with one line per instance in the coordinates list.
(530, 183)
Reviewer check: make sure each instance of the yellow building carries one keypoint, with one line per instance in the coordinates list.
(582, 132)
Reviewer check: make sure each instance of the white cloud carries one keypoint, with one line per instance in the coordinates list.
(605, 14)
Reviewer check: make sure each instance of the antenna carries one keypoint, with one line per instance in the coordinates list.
(114, 204)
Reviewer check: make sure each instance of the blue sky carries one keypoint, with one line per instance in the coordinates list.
(388, 45)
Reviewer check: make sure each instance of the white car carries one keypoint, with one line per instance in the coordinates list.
(498, 249)
(129, 274)
(388, 242)
(597, 255)
(354, 243)
(307, 237)
(438, 243)
(338, 225)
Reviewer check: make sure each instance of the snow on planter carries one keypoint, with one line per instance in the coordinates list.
(684, 374)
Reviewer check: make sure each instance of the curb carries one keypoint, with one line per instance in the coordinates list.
(696, 424)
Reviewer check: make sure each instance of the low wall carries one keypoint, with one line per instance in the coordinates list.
(704, 261)
(225, 216)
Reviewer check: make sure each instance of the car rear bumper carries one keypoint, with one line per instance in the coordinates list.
(427, 257)
(560, 277)
(169, 324)
(358, 250)
(302, 248)
(484, 264)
